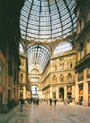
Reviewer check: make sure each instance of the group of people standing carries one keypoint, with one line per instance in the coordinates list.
(23, 103)
(55, 100)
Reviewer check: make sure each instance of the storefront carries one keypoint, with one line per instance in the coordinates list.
(1, 95)
(80, 93)
(89, 94)
(1, 87)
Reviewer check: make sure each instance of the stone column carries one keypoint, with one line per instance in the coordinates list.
(24, 92)
(65, 92)
(76, 88)
(73, 91)
(11, 83)
(50, 92)
(57, 94)
(6, 76)
(85, 90)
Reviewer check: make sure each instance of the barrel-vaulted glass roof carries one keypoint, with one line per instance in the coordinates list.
(47, 20)
(37, 55)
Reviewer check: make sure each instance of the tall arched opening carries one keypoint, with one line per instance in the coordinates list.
(61, 94)
(34, 91)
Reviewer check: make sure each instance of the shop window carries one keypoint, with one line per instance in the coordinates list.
(89, 88)
(1, 75)
(69, 95)
(81, 90)
(69, 77)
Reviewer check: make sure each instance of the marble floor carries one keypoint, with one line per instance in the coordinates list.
(44, 113)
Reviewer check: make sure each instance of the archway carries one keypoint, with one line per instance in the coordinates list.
(34, 91)
(61, 94)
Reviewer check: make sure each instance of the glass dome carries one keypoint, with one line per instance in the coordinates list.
(47, 20)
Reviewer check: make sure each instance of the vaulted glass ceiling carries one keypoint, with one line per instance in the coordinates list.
(47, 20)
(37, 55)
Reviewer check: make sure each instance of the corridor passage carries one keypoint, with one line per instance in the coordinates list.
(44, 113)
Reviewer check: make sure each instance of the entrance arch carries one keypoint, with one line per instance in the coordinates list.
(34, 91)
(61, 94)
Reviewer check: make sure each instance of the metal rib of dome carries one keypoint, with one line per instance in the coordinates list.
(47, 20)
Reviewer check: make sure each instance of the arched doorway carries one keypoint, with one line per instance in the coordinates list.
(61, 94)
(34, 91)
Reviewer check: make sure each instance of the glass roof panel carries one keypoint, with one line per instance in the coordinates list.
(62, 48)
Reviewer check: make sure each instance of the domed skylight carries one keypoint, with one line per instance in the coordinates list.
(47, 20)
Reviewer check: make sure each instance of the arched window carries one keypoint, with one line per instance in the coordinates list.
(34, 89)
(69, 77)
(60, 59)
(54, 79)
(61, 79)
(55, 67)
(63, 66)
(60, 67)
(70, 64)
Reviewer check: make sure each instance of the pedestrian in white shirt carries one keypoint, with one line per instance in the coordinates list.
(26, 104)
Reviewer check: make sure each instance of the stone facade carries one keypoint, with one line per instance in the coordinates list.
(59, 73)
(82, 84)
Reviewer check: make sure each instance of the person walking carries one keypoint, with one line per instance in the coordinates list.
(50, 101)
(22, 103)
(26, 104)
(81, 101)
(68, 101)
(55, 101)
(13, 104)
